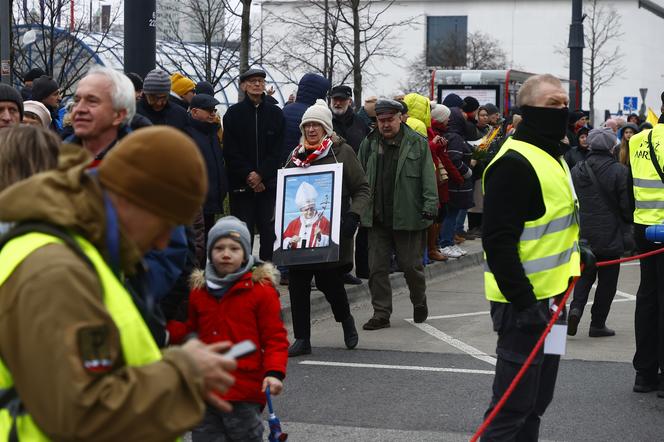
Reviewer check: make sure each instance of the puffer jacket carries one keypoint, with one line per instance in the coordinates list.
(311, 88)
(460, 152)
(419, 108)
(248, 310)
(599, 225)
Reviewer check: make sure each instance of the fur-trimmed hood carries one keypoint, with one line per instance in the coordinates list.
(261, 273)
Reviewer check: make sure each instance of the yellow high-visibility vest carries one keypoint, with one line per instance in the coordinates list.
(648, 186)
(548, 247)
(138, 345)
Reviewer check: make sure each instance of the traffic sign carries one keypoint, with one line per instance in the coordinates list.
(630, 104)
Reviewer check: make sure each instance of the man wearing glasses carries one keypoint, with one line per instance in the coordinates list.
(401, 175)
(155, 105)
(253, 137)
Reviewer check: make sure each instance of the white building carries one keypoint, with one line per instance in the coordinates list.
(530, 32)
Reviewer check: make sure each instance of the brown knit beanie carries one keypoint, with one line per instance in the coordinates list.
(160, 169)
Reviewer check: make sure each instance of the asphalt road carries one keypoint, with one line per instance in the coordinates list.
(433, 382)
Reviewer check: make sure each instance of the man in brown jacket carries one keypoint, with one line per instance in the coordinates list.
(58, 338)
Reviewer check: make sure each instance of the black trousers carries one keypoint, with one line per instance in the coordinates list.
(607, 281)
(649, 315)
(362, 253)
(519, 419)
(257, 210)
(328, 281)
(474, 220)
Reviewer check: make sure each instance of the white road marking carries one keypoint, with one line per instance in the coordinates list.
(457, 315)
(468, 349)
(396, 367)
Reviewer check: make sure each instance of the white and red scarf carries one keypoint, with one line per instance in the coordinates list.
(301, 156)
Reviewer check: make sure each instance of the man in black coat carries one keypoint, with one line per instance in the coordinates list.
(203, 129)
(347, 125)
(253, 138)
(155, 105)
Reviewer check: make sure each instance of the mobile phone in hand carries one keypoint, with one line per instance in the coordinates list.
(241, 349)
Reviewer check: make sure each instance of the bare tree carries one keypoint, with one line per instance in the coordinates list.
(245, 29)
(419, 76)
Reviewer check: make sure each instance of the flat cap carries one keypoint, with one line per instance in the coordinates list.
(387, 105)
(203, 101)
(491, 109)
(252, 73)
(341, 91)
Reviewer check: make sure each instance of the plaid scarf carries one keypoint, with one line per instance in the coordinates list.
(303, 155)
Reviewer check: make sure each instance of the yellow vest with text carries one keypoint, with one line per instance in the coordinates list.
(138, 346)
(648, 187)
(548, 247)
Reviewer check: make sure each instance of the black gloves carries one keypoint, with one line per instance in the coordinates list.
(587, 256)
(349, 224)
(428, 216)
(532, 319)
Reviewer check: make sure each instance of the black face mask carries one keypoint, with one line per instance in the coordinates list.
(547, 122)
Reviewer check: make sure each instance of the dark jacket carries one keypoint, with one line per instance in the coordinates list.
(178, 101)
(460, 152)
(351, 128)
(354, 195)
(253, 138)
(310, 88)
(138, 121)
(575, 155)
(171, 115)
(205, 136)
(599, 225)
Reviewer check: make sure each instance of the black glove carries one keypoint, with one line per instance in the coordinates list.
(428, 216)
(349, 224)
(532, 319)
(587, 256)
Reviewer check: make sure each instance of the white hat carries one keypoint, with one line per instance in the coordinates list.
(318, 113)
(440, 113)
(38, 108)
(306, 195)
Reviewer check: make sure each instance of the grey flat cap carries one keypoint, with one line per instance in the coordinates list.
(387, 105)
(252, 73)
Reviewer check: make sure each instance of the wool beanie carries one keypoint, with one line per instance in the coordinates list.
(38, 108)
(318, 113)
(136, 80)
(156, 82)
(231, 227)
(160, 169)
(33, 74)
(8, 93)
(204, 87)
(602, 139)
(43, 87)
(453, 100)
(470, 104)
(181, 85)
(440, 113)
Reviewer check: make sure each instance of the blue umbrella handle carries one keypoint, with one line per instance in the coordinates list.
(269, 399)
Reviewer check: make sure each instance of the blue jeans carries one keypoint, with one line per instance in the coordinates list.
(460, 220)
(448, 227)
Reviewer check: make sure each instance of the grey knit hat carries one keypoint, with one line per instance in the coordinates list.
(233, 228)
(602, 139)
(157, 82)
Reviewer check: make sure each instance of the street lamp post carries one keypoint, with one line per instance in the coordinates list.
(140, 36)
(5, 44)
(576, 46)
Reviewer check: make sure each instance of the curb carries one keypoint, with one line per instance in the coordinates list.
(360, 294)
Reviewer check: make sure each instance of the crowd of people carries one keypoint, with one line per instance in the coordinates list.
(135, 168)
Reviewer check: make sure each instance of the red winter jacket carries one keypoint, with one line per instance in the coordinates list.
(249, 310)
(439, 154)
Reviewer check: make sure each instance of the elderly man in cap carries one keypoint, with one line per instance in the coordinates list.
(47, 91)
(347, 125)
(400, 172)
(77, 232)
(155, 104)
(203, 127)
(253, 138)
(11, 106)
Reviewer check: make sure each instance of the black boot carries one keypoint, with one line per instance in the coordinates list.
(299, 347)
(350, 332)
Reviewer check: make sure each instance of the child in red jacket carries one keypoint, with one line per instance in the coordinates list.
(233, 300)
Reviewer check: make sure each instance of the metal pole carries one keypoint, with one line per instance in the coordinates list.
(5, 44)
(576, 45)
(140, 37)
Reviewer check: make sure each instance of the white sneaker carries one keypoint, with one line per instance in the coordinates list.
(451, 252)
(460, 250)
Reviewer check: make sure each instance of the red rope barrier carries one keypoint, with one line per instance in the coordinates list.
(541, 339)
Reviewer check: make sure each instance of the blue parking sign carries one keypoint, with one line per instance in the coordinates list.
(630, 104)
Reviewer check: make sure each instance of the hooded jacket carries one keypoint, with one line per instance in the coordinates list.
(55, 288)
(460, 152)
(170, 115)
(311, 88)
(250, 309)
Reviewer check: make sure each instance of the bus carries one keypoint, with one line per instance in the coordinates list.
(498, 87)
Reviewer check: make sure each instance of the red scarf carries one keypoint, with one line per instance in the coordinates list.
(300, 157)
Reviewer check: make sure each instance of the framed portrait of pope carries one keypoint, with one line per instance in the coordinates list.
(308, 215)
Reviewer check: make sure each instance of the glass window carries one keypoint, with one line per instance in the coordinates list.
(446, 41)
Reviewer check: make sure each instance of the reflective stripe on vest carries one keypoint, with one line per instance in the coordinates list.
(648, 187)
(548, 246)
(138, 346)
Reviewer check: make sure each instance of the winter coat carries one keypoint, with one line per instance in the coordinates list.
(419, 108)
(575, 155)
(175, 99)
(440, 156)
(350, 127)
(171, 115)
(248, 310)
(205, 136)
(310, 88)
(253, 137)
(354, 195)
(598, 223)
(138, 121)
(415, 190)
(460, 152)
(53, 283)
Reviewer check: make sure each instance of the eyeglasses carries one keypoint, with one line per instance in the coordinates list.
(311, 125)
(256, 81)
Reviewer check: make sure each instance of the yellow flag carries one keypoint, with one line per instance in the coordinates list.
(652, 117)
